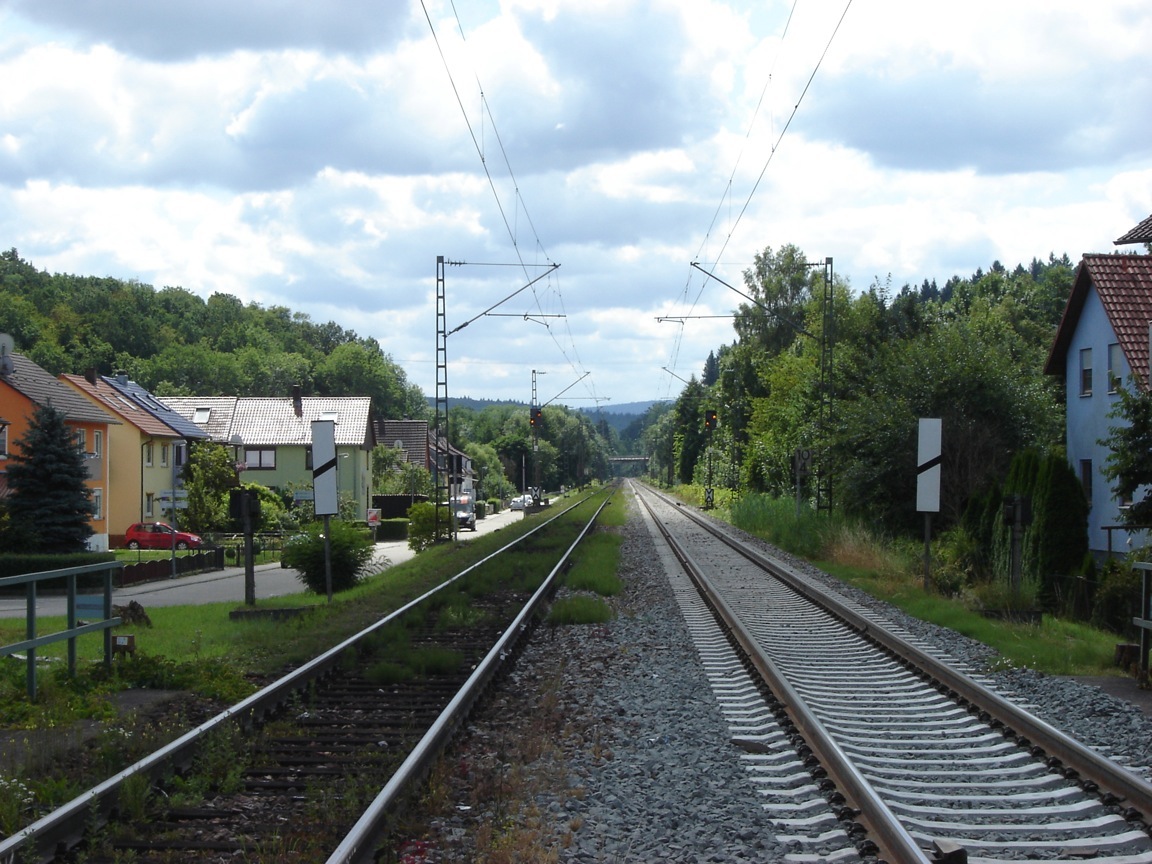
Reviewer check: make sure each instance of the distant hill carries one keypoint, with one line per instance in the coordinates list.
(622, 408)
(476, 404)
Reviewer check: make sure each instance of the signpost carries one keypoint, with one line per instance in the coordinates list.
(325, 499)
(928, 462)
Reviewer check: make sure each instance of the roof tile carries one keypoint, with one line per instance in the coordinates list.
(1124, 285)
(38, 385)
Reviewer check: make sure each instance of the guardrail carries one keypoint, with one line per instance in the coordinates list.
(86, 604)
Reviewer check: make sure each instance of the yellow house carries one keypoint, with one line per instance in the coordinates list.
(143, 452)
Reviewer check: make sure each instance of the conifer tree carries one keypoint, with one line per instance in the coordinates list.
(49, 503)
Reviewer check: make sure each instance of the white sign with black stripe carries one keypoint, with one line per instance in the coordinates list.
(325, 499)
(928, 466)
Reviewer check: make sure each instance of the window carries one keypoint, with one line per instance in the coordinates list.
(178, 451)
(149, 504)
(163, 455)
(97, 444)
(201, 415)
(1085, 371)
(1086, 478)
(307, 458)
(260, 460)
(148, 455)
(1115, 365)
(82, 440)
(98, 503)
(3, 440)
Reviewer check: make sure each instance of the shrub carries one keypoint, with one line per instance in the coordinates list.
(1117, 598)
(350, 552)
(422, 526)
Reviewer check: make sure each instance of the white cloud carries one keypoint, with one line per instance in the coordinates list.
(293, 157)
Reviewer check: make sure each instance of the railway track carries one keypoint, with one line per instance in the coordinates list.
(867, 745)
(312, 767)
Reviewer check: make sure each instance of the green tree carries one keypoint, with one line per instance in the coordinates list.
(780, 285)
(208, 474)
(962, 373)
(49, 504)
(1129, 463)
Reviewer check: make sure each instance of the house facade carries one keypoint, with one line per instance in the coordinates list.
(271, 438)
(1101, 345)
(144, 454)
(418, 441)
(23, 386)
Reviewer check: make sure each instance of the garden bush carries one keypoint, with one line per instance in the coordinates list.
(422, 526)
(350, 551)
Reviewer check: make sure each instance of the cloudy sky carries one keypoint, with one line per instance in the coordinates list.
(320, 156)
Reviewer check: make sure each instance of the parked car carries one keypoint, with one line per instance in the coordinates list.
(158, 535)
(465, 512)
(520, 502)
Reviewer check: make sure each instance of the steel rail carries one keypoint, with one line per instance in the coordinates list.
(1088, 765)
(58, 831)
(896, 845)
(359, 844)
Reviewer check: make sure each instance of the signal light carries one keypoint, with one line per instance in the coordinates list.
(709, 420)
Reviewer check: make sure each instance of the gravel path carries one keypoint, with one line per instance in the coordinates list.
(629, 750)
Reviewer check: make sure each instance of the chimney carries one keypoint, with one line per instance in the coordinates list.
(122, 378)
(90, 375)
(297, 402)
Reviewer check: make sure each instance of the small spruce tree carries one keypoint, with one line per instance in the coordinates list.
(49, 504)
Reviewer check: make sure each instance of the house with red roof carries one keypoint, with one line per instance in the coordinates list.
(145, 455)
(25, 385)
(1101, 345)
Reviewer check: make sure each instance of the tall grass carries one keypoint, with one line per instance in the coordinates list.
(892, 571)
(799, 530)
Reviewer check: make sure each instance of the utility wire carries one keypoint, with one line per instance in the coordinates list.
(771, 153)
(519, 199)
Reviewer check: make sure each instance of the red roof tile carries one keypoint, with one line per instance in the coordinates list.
(1124, 285)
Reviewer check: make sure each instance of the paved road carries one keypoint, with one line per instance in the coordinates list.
(227, 586)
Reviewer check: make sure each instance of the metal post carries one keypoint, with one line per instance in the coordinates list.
(249, 569)
(928, 551)
(442, 509)
(328, 555)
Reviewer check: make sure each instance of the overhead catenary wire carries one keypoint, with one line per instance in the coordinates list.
(571, 355)
(767, 162)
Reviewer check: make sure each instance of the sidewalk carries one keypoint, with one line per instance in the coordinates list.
(227, 585)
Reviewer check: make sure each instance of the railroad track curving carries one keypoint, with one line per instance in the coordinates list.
(866, 745)
(313, 766)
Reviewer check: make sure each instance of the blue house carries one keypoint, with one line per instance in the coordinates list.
(1102, 343)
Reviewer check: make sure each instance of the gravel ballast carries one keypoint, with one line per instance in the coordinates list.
(630, 760)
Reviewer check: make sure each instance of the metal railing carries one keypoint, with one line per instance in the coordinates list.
(88, 604)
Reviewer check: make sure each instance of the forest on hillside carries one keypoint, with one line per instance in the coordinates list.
(970, 350)
(175, 343)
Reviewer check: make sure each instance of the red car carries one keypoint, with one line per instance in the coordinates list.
(158, 535)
